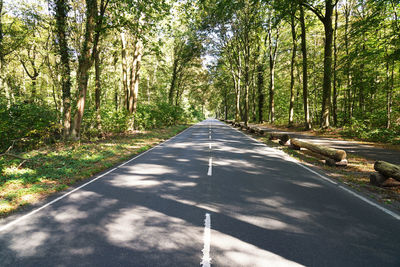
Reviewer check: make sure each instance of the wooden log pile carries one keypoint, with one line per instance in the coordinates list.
(385, 170)
(336, 157)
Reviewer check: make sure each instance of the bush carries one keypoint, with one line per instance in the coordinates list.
(162, 114)
(28, 124)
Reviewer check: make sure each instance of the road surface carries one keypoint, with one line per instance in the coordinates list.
(209, 196)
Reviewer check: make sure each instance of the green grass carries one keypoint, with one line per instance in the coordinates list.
(54, 168)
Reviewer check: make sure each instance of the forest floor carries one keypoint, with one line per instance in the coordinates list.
(361, 157)
(55, 167)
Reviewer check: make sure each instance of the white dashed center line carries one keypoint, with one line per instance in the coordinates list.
(210, 167)
(206, 261)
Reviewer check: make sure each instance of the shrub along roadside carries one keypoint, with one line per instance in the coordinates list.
(56, 167)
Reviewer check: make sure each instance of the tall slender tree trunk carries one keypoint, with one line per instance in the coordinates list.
(292, 64)
(272, 60)
(327, 82)
(260, 88)
(348, 98)
(65, 70)
(389, 93)
(238, 93)
(85, 63)
(97, 69)
(335, 93)
(246, 92)
(173, 83)
(124, 71)
(307, 123)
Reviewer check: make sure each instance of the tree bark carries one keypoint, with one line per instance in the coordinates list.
(85, 63)
(260, 88)
(65, 69)
(272, 60)
(97, 69)
(124, 70)
(173, 82)
(292, 63)
(388, 169)
(327, 86)
(307, 122)
(335, 93)
(335, 154)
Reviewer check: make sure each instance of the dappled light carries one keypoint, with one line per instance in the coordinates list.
(151, 211)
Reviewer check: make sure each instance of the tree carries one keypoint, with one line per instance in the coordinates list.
(326, 20)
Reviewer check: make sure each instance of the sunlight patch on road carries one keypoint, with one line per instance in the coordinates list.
(143, 229)
(231, 251)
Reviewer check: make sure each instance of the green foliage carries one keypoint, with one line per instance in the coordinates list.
(28, 124)
(149, 116)
(363, 130)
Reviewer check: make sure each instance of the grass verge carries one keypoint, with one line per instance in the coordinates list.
(54, 168)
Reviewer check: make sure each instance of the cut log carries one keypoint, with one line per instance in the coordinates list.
(387, 169)
(332, 153)
(377, 179)
(284, 138)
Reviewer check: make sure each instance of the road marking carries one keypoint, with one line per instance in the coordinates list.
(209, 137)
(209, 145)
(206, 261)
(393, 214)
(371, 203)
(8, 225)
(210, 167)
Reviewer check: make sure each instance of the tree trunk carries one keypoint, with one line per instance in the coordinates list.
(335, 94)
(97, 69)
(272, 60)
(389, 91)
(238, 91)
(173, 82)
(292, 63)
(307, 122)
(260, 87)
(347, 69)
(85, 63)
(134, 78)
(65, 70)
(124, 71)
(246, 92)
(327, 86)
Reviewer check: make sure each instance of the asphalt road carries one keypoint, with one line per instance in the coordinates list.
(209, 195)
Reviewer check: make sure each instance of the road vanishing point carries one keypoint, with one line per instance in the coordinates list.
(210, 196)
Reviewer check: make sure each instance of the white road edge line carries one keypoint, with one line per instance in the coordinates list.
(389, 212)
(371, 203)
(8, 225)
(210, 167)
(206, 261)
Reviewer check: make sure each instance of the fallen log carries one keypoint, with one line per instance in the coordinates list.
(387, 169)
(284, 138)
(336, 154)
(12, 155)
